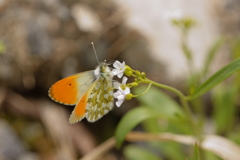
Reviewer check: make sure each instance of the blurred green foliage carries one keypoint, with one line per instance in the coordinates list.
(158, 113)
(134, 152)
(224, 111)
(196, 155)
(2, 47)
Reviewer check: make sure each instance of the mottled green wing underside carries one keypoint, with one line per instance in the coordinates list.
(100, 101)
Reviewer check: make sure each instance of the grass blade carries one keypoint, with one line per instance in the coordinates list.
(218, 77)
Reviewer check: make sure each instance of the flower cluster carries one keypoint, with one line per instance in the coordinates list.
(123, 89)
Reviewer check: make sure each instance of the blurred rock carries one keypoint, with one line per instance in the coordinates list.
(3, 5)
(229, 17)
(10, 146)
(60, 9)
(86, 19)
(30, 156)
(151, 18)
(37, 36)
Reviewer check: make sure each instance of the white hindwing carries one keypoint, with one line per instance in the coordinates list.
(100, 101)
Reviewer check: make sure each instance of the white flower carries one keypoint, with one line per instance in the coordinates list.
(121, 94)
(119, 68)
(116, 84)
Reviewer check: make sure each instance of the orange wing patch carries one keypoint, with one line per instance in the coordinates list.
(79, 111)
(65, 91)
(81, 106)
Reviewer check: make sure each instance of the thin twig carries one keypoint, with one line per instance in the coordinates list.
(100, 150)
(3, 94)
(218, 145)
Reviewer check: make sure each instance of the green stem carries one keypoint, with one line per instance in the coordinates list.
(177, 92)
(144, 91)
(183, 100)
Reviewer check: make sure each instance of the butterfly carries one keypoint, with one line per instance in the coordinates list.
(90, 91)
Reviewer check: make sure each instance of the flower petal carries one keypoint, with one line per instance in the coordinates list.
(124, 80)
(117, 94)
(121, 97)
(126, 91)
(120, 74)
(117, 64)
(116, 84)
(115, 71)
(119, 103)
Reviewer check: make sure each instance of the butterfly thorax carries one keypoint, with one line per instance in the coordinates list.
(103, 70)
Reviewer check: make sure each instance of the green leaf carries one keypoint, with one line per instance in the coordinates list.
(211, 54)
(210, 156)
(156, 105)
(2, 47)
(234, 135)
(236, 48)
(218, 77)
(171, 150)
(159, 101)
(196, 155)
(224, 108)
(153, 126)
(132, 119)
(172, 113)
(133, 152)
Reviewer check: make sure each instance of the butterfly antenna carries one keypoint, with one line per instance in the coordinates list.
(111, 62)
(95, 52)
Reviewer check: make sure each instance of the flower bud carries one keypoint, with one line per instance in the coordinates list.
(128, 96)
(138, 73)
(128, 73)
(137, 80)
(143, 75)
(134, 84)
(128, 68)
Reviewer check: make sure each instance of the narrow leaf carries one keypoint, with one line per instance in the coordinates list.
(225, 108)
(218, 77)
(132, 119)
(196, 155)
(211, 54)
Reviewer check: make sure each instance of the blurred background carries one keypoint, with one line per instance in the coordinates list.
(42, 41)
